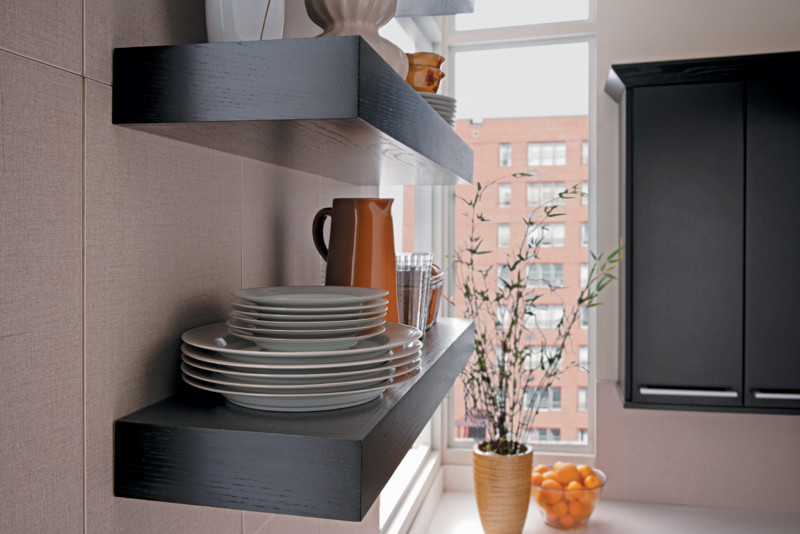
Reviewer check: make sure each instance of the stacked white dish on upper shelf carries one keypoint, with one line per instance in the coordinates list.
(445, 106)
(302, 348)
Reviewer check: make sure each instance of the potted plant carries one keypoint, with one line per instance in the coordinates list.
(502, 373)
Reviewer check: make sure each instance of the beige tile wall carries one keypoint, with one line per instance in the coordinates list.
(112, 243)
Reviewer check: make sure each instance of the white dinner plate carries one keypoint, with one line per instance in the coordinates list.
(302, 343)
(302, 402)
(282, 324)
(365, 361)
(369, 307)
(433, 97)
(216, 338)
(307, 329)
(310, 296)
(300, 376)
(360, 314)
(315, 385)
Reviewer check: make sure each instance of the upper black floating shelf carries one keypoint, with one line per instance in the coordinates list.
(329, 106)
(423, 8)
(195, 448)
(780, 65)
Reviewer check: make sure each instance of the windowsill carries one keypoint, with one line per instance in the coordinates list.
(455, 512)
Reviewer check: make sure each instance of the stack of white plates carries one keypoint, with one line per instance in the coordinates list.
(302, 348)
(445, 106)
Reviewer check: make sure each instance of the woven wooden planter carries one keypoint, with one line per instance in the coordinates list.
(502, 489)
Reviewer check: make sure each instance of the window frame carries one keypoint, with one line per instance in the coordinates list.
(458, 451)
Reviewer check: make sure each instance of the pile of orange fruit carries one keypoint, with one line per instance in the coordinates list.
(566, 492)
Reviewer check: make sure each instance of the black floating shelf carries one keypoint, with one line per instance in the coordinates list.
(329, 106)
(195, 448)
(423, 8)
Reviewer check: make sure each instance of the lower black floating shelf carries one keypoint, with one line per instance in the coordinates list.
(195, 448)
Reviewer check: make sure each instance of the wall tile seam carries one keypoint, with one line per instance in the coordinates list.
(37, 60)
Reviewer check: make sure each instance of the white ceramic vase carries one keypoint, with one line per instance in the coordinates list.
(359, 17)
(244, 20)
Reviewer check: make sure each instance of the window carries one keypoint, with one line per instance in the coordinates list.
(544, 275)
(541, 357)
(502, 276)
(548, 401)
(544, 112)
(584, 317)
(543, 435)
(503, 235)
(548, 235)
(585, 153)
(503, 319)
(584, 234)
(505, 154)
(582, 405)
(547, 154)
(583, 357)
(584, 274)
(583, 436)
(504, 195)
(540, 317)
(584, 193)
(539, 193)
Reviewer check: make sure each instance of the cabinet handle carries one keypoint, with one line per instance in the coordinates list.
(776, 396)
(674, 392)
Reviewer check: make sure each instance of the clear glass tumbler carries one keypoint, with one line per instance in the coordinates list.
(413, 285)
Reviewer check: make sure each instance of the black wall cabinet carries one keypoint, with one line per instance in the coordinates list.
(712, 178)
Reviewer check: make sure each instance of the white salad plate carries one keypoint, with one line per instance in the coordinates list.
(308, 386)
(301, 376)
(293, 330)
(310, 296)
(301, 402)
(361, 313)
(304, 341)
(369, 307)
(363, 322)
(215, 337)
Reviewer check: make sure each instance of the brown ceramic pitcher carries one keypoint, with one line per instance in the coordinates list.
(361, 251)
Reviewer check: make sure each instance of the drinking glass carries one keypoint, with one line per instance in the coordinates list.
(413, 285)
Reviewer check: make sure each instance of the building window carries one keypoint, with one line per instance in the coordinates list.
(583, 436)
(584, 234)
(504, 195)
(544, 275)
(502, 276)
(540, 193)
(541, 358)
(582, 404)
(548, 235)
(503, 318)
(548, 316)
(584, 193)
(583, 357)
(548, 400)
(585, 152)
(584, 317)
(505, 154)
(542, 435)
(503, 235)
(584, 274)
(547, 154)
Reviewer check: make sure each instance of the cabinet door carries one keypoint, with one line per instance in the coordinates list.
(772, 276)
(686, 207)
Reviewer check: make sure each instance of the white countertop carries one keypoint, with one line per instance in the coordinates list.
(457, 513)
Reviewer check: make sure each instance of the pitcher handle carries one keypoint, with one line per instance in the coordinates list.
(318, 235)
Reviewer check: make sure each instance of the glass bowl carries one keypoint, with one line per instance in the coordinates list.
(567, 506)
